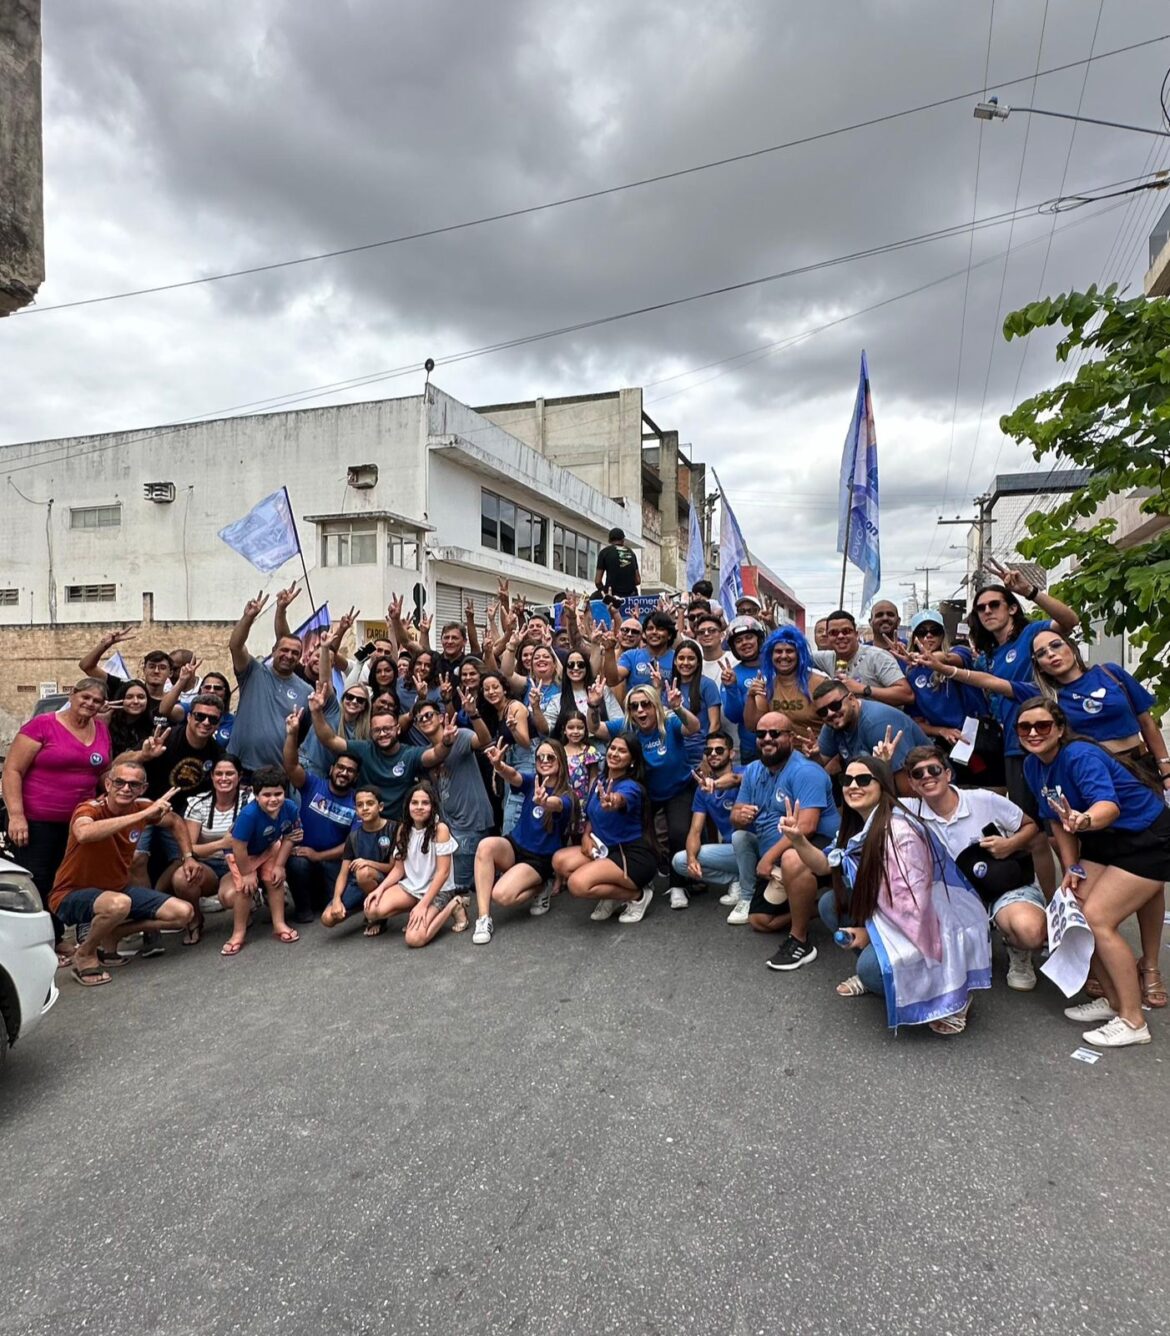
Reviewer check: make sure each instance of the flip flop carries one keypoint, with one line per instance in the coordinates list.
(231, 948)
(193, 934)
(93, 976)
(288, 935)
(374, 930)
(113, 961)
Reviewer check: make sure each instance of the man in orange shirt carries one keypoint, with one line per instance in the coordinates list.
(92, 885)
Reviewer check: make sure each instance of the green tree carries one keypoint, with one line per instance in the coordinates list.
(1113, 417)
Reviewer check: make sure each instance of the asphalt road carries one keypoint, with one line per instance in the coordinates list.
(579, 1128)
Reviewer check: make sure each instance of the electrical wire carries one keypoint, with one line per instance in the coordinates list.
(578, 198)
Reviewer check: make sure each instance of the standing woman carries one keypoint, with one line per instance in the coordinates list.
(1111, 828)
(614, 863)
(54, 764)
(130, 720)
(919, 928)
(700, 695)
(789, 679)
(546, 687)
(668, 770)
(577, 679)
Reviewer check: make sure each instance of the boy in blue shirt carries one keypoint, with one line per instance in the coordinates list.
(262, 840)
(367, 859)
(715, 795)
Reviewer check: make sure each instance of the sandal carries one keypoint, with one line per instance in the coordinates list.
(374, 930)
(956, 1023)
(64, 958)
(231, 948)
(111, 960)
(193, 933)
(1153, 988)
(851, 987)
(459, 920)
(287, 935)
(93, 976)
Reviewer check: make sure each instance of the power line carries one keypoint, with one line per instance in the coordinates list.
(528, 210)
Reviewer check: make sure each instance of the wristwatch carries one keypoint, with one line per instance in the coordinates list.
(867, 691)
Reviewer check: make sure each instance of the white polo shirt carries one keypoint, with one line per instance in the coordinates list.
(964, 827)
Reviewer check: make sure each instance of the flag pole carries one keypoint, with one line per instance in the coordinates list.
(845, 555)
(300, 551)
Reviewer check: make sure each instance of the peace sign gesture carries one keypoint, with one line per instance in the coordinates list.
(285, 596)
(726, 672)
(885, 749)
(495, 753)
(704, 782)
(255, 606)
(292, 723)
(154, 746)
(674, 696)
(450, 729)
(1072, 820)
(606, 796)
(539, 793)
(595, 694)
(789, 824)
(1013, 581)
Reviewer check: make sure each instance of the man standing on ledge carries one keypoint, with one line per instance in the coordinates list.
(617, 567)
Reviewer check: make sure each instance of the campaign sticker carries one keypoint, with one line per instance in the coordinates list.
(96, 758)
(399, 770)
(1010, 656)
(1089, 1055)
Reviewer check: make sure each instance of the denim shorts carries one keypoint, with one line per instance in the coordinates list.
(77, 906)
(1022, 895)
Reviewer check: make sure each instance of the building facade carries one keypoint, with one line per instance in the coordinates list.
(22, 225)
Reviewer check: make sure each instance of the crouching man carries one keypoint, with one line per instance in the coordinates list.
(92, 886)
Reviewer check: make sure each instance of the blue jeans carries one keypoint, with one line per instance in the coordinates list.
(747, 855)
(463, 860)
(717, 862)
(867, 968)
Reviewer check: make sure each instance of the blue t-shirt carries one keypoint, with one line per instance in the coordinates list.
(1013, 661)
(734, 699)
(800, 781)
(947, 704)
(620, 827)
(1084, 774)
(708, 697)
(326, 817)
(259, 831)
(530, 832)
(375, 845)
(640, 662)
(717, 806)
(668, 770)
(872, 721)
(1104, 707)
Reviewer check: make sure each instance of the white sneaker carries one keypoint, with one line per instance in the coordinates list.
(1117, 1033)
(1021, 974)
(731, 895)
(539, 904)
(1095, 1009)
(605, 909)
(211, 904)
(483, 930)
(635, 911)
(678, 898)
(740, 913)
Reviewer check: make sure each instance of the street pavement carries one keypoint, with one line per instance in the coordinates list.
(579, 1128)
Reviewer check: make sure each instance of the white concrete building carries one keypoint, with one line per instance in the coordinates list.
(388, 495)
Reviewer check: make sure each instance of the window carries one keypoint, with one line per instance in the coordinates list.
(402, 550)
(514, 530)
(96, 517)
(100, 593)
(574, 554)
(350, 543)
(9, 598)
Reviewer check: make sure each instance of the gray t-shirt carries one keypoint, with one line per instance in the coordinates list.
(462, 796)
(872, 721)
(264, 702)
(871, 666)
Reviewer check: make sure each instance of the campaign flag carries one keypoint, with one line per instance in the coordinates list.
(267, 535)
(858, 532)
(696, 558)
(733, 555)
(312, 630)
(116, 664)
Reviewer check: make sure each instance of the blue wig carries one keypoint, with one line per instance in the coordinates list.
(787, 635)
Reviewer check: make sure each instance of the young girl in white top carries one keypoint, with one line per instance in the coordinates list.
(422, 875)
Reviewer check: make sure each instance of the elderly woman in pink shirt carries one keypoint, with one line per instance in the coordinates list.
(54, 764)
(899, 901)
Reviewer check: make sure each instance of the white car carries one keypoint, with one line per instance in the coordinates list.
(28, 962)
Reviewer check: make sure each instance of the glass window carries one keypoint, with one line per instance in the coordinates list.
(98, 593)
(95, 517)
(489, 518)
(353, 544)
(507, 527)
(583, 571)
(524, 534)
(540, 540)
(558, 547)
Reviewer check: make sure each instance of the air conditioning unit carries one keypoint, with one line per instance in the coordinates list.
(159, 492)
(362, 476)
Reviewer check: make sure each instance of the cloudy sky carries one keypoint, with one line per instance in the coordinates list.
(182, 141)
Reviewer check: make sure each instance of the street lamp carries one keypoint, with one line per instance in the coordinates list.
(994, 110)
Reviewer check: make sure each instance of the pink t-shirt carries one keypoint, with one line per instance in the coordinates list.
(64, 772)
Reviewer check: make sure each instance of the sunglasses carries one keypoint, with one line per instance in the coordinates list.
(357, 696)
(990, 605)
(1044, 651)
(858, 781)
(1041, 727)
(576, 663)
(772, 732)
(841, 631)
(202, 717)
(715, 751)
(833, 707)
(641, 705)
(926, 772)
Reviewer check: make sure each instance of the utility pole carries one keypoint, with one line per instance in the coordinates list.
(926, 570)
(912, 585)
(982, 523)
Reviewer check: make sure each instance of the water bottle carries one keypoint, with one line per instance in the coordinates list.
(842, 937)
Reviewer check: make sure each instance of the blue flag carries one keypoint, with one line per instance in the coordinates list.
(696, 558)
(733, 555)
(858, 526)
(267, 535)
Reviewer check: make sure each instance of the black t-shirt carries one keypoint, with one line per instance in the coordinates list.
(619, 569)
(116, 689)
(183, 767)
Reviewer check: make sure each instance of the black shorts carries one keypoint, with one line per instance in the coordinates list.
(762, 905)
(541, 863)
(1144, 853)
(637, 860)
(1017, 787)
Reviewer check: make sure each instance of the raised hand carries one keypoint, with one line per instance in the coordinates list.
(188, 672)
(704, 782)
(607, 797)
(470, 701)
(450, 730)
(161, 806)
(394, 609)
(285, 596)
(789, 824)
(674, 696)
(112, 638)
(255, 606)
(539, 793)
(446, 688)
(495, 753)
(595, 694)
(292, 723)
(885, 749)
(1072, 820)
(425, 622)
(316, 701)
(757, 686)
(726, 672)
(154, 746)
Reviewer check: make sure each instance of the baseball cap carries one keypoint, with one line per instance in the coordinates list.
(927, 617)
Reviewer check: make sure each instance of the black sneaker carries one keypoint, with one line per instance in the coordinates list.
(792, 954)
(152, 945)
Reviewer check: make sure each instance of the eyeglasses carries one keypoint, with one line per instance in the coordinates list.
(926, 772)
(709, 629)
(127, 784)
(629, 630)
(382, 729)
(832, 707)
(1041, 727)
(1045, 651)
(356, 696)
(772, 732)
(202, 717)
(858, 781)
(990, 605)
